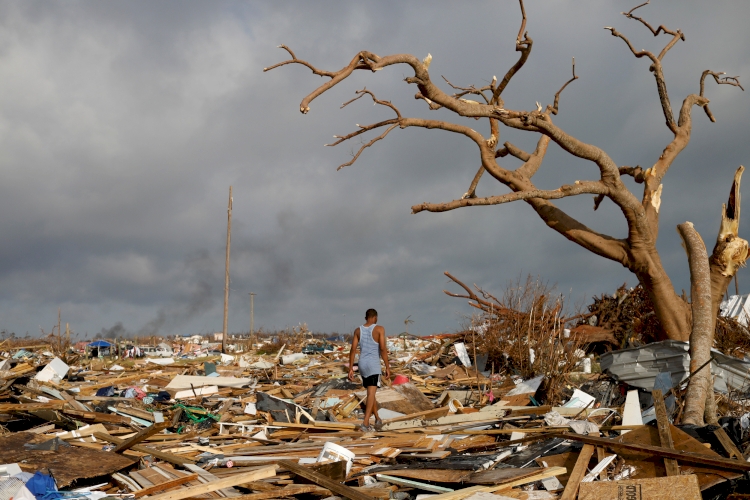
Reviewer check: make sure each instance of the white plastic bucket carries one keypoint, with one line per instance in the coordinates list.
(332, 452)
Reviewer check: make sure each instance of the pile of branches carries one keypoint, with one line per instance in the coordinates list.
(628, 314)
(522, 332)
(732, 338)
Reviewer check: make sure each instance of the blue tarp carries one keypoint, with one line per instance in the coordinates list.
(99, 343)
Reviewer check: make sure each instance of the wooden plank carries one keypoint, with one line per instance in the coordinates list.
(97, 417)
(20, 407)
(571, 489)
(459, 494)
(413, 484)
(665, 434)
(682, 456)
(140, 436)
(426, 414)
(208, 476)
(233, 480)
(165, 485)
(728, 444)
(437, 475)
(321, 480)
(167, 457)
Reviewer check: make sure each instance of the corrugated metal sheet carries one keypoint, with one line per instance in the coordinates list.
(737, 307)
(639, 366)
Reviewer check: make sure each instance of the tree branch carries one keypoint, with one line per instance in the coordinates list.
(720, 80)
(480, 303)
(472, 191)
(294, 60)
(656, 69)
(635, 172)
(533, 161)
(555, 107)
(509, 148)
(580, 187)
(522, 46)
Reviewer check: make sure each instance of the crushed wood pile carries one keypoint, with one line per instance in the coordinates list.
(286, 425)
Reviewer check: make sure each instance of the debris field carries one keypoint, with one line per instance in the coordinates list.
(255, 426)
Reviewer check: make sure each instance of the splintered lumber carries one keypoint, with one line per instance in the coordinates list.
(140, 436)
(321, 480)
(226, 482)
(580, 469)
(665, 433)
(165, 485)
(682, 456)
(167, 457)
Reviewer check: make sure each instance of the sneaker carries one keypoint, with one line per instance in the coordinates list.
(378, 425)
(366, 428)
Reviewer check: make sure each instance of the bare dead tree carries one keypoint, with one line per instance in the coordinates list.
(637, 251)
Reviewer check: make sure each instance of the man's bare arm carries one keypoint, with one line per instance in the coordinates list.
(355, 342)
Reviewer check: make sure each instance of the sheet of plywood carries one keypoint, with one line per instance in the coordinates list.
(684, 487)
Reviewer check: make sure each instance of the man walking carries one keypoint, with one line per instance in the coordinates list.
(370, 338)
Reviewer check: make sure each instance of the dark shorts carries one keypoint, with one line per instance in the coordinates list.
(370, 381)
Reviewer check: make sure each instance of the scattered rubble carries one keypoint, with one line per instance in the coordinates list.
(282, 422)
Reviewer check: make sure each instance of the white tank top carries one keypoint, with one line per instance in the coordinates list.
(369, 352)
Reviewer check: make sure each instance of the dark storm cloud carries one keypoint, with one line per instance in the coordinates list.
(123, 124)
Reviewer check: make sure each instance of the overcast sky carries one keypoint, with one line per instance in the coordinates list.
(123, 124)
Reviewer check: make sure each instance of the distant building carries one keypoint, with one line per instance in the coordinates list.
(218, 336)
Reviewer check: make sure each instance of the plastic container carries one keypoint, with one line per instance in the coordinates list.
(332, 452)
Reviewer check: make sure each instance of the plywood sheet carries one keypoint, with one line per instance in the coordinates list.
(659, 488)
(67, 464)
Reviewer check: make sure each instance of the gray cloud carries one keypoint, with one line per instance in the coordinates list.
(123, 124)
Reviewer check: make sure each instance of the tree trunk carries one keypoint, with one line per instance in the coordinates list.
(702, 334)
(672, 312)
(730, 251)
(711, 413)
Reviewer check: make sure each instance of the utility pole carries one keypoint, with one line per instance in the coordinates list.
(226, 275)
(252, 328)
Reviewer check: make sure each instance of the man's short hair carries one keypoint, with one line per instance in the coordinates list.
(371, 313)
